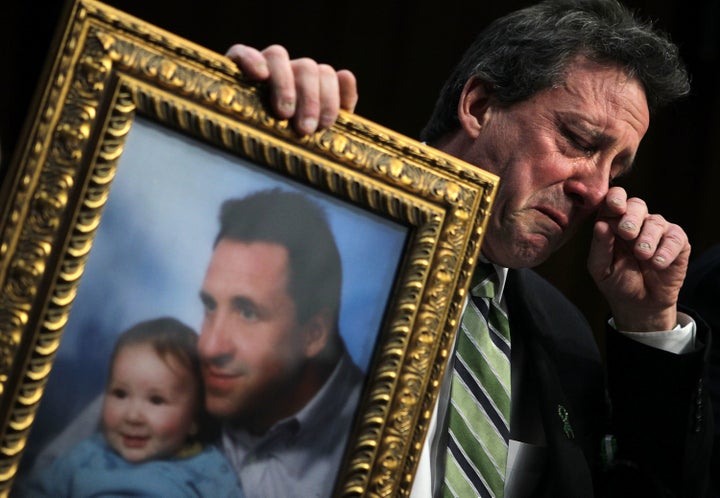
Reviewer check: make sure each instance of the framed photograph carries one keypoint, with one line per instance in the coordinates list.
(121, 207)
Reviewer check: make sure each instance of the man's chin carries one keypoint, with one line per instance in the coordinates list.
(522, 255)
(220, 407)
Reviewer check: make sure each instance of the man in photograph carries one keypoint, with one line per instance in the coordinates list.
(277, 374)
(276, 371)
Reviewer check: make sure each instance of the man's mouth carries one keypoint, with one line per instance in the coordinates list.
(220, 379)
(556, 216)
(220, 373)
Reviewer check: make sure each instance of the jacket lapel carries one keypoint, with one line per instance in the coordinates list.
(536, 324)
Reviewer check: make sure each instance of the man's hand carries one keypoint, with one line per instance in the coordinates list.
(308, 93)
(638, 261)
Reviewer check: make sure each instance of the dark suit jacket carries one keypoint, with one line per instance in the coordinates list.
(656, 406)
(701, 292)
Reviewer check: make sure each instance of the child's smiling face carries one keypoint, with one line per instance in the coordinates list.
(150, 404)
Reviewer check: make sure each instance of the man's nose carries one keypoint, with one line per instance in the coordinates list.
(213, 343)
(588, 188)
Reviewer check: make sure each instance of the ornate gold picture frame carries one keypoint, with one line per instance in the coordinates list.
(131, 112)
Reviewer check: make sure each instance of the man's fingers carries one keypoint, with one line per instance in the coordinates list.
(659, 241)
(600, 258)
(615, 203)
(318, 90)
(307, 88)
(250, 61)
(283, 96)
(650, 236)
(308, 93)
(329, 96)
(348, 90)
(272, 65)
(673, 246)
(628, 225)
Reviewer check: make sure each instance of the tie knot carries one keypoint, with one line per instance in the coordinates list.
(484, 281)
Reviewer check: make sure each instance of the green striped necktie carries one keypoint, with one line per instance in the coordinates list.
(479, 413)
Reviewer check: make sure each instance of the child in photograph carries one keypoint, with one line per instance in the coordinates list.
(154, 429)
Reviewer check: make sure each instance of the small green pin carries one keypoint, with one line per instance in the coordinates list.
(564, 416)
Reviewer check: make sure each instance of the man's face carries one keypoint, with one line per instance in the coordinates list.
(556, 154)
(251, 344)
(150, 404)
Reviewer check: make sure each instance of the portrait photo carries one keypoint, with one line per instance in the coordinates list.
(200, 300)
(151, 254)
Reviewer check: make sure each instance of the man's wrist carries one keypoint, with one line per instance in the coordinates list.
(651, 322)
(680, 339)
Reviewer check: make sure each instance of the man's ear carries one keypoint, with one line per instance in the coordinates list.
(317, 332)
(473, 107)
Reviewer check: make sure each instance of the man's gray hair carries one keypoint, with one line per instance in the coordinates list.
(529, 50)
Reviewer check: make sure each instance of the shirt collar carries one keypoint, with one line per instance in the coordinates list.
(304, 424)
(502, 273)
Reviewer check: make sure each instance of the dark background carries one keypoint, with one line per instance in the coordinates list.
(401, 52)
